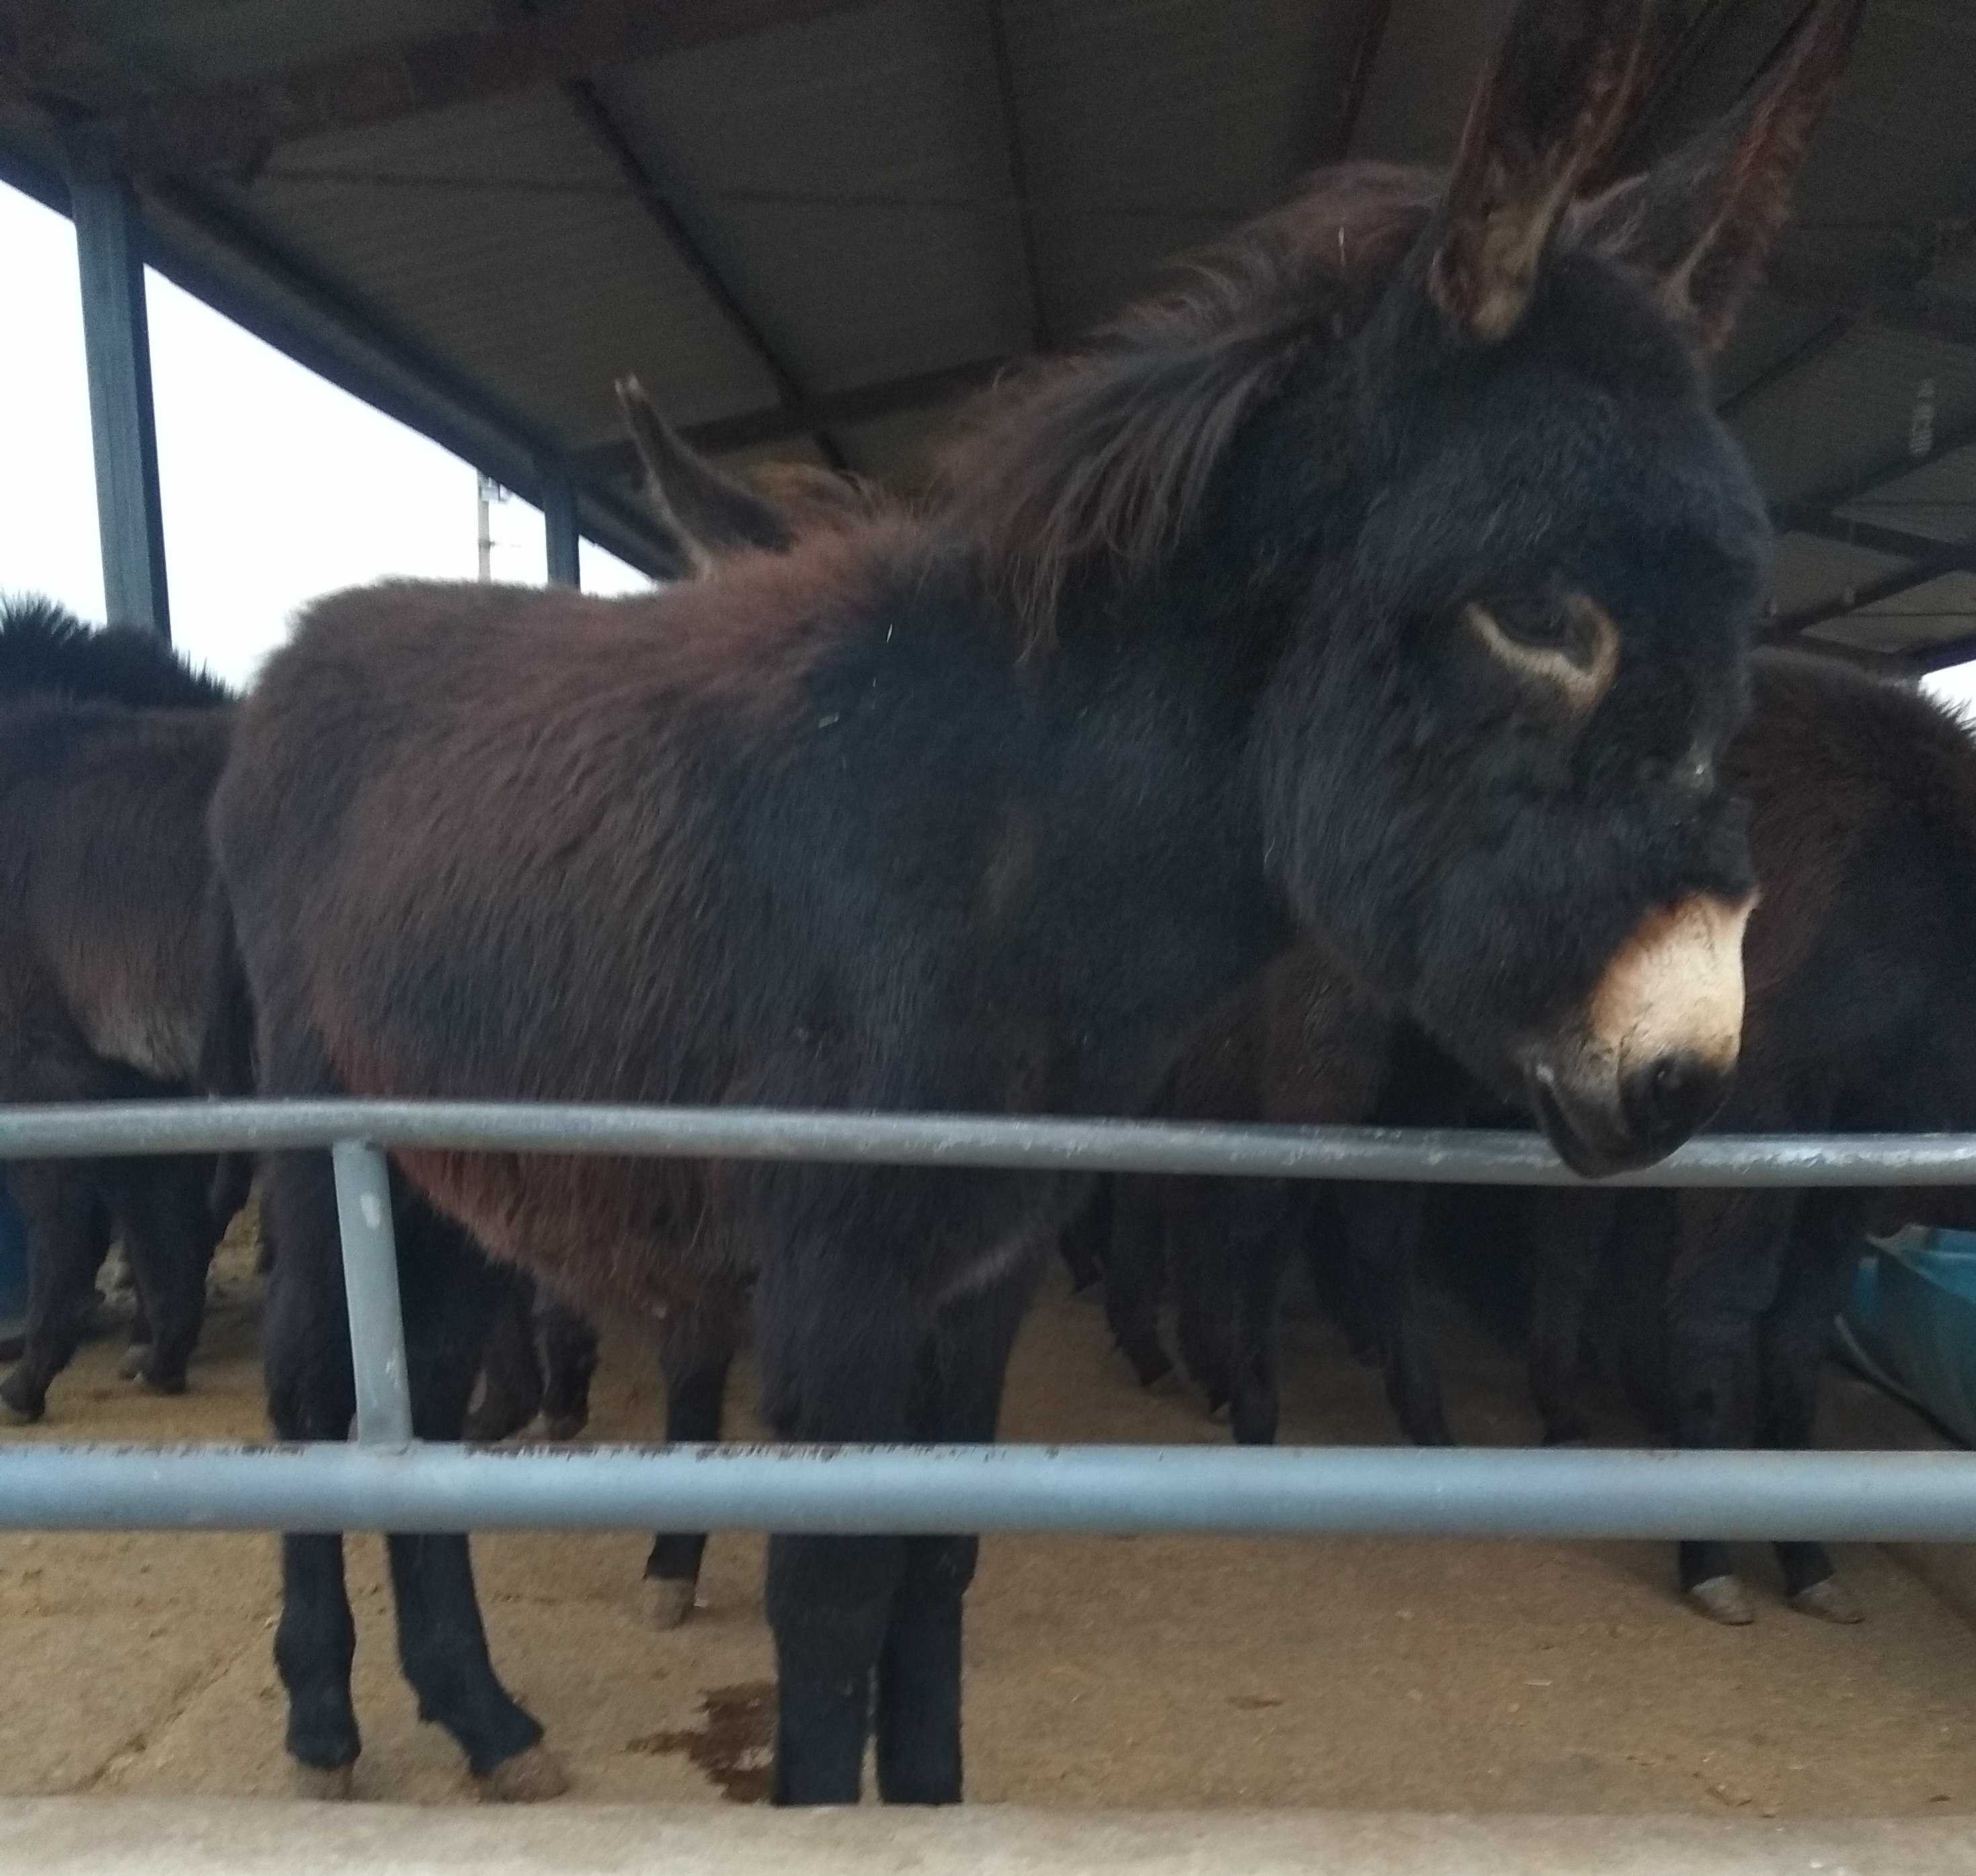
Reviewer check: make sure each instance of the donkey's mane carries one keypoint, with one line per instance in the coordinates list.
(1106, 455)
(45, 650)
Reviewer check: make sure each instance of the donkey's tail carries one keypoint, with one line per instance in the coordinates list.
(226, 1049)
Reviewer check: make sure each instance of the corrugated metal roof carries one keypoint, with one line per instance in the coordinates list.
(807, 224)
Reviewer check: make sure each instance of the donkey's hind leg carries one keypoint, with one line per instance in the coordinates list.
(569, 1362)
(1796, 1336)
(1384, 1226)
(1135, 1270)
(169, 1237)
(1087, 1235)
(1567, 1232)
(962, 1370)
(1725, 1281)
(696, 1349)
(67, 1242)
(511, 1370)
(450, 1291)
(305, 1345)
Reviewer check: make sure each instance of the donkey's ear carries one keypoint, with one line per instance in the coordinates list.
(707, 514)
(1555, 99)
(1699, 224)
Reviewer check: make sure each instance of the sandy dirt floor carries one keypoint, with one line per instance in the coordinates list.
(1172, 1672)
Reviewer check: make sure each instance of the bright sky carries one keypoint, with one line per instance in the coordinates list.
(277, 486)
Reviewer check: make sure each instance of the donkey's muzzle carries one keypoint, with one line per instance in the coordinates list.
(1670, 1098)
(1651, 1057)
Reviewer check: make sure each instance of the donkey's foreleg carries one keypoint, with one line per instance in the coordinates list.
(959, 1401)
(838, 1340)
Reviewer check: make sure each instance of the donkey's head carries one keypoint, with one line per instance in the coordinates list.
(1490, 756)
(1430, 463)
(1492, 767)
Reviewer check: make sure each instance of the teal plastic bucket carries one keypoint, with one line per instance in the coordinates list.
(1910, 1322)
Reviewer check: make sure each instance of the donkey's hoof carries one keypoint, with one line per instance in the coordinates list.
(20, 1406)
(1830, 1601)
(152, 1384)
(561, 1427)
(134, 1361)
(328, 1785)
(673, 1599)
(1724, 1599)
(529, 1778)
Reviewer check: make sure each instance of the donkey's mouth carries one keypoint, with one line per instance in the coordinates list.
(1593, 1144)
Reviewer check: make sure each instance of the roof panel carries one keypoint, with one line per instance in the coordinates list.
(1937, 501)
(1856, 409)
(873, 235)
(213, 41)
(500, 233)
(1179, 106)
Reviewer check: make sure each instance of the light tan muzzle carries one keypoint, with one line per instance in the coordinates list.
(1653, 1054)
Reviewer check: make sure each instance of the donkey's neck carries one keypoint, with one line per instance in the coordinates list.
(1147, 826)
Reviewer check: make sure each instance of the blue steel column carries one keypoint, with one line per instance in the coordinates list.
(110, 251)
(559, 523)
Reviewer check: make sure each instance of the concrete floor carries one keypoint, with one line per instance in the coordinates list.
(1176, 1672)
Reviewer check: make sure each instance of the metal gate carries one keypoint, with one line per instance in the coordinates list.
(383, 1479)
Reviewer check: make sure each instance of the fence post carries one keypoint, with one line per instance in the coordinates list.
(370, 1285)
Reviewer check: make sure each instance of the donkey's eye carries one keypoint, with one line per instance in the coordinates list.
(1568, 643)
(1544, 625)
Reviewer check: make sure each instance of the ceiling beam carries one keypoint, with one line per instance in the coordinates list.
(1960, 558)
(596, 117)
(237, 125)
(1941, 657)
(1893, 292)
(1842, 531)
(748, 430)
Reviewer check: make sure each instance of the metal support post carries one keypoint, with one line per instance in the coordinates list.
(110, 251)
(370, 1285)
(559, 525)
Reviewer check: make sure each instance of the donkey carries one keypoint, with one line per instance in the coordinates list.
(1392, 578)
(542, 1354)
(1303, 1045)
(110, 744)
(1861, 1017)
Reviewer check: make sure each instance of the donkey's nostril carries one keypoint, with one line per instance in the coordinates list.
(1671, 1096)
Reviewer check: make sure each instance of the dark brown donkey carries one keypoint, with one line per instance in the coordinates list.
(1862, 1018)
(1861, 989)
(542, 1352)
(1391, 578)
(109, 745)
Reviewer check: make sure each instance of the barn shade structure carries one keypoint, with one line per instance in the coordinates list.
(810, 226)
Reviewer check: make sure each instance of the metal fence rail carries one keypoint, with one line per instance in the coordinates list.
(387, 1481)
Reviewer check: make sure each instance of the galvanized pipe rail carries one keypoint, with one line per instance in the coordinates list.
(385, 1480)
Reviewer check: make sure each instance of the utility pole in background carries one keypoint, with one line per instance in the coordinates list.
(488, 492)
